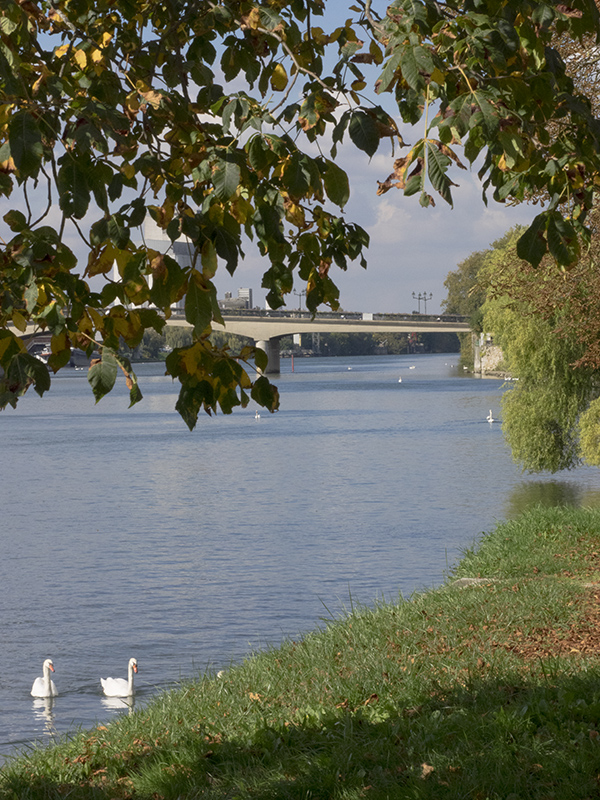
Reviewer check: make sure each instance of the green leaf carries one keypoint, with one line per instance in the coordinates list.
(364, 132)
(118, 231)
(261, 359)
(198, 305)
(209, 259)
(189, 403)
(562, 240)
(296, 175)
(337, 185)
(103, 374)
(414, 62)
(265, 394)
(31, 296)
(135, 394)
(531, 246)
(437, 171)
(74, 191)
(489, 114)
(25, 370)
(15, 220)
(226, 178)
(389, 72)
(25, 141)
(543, 14)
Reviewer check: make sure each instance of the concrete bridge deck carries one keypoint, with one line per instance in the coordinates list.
(267, 327)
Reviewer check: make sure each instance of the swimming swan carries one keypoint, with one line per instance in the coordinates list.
(119, 687)
(490, 417)
(44, 686)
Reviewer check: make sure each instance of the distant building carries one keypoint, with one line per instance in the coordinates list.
(240, 303)
(246, 294)
(180, 251)
(157, 239)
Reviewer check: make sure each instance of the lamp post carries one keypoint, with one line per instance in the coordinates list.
(424, 298)
(300, 295)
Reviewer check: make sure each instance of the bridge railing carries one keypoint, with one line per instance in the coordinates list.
(346, 315)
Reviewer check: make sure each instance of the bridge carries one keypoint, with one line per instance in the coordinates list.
(267, 327)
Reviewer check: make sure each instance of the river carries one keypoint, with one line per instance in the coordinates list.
(123, 534)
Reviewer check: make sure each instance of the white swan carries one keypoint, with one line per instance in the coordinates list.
(490, 416)
(119, 687)
(44, 686)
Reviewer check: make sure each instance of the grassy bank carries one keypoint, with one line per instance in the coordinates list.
(484, 689)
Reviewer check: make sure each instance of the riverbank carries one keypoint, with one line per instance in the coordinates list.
(487, 687)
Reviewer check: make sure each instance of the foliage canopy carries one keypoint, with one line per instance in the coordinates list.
(221, 121)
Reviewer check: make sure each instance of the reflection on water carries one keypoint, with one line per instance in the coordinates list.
(119, 703)
(551, 493)
(43, 712)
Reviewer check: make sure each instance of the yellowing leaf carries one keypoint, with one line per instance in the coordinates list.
(61, 51)
(295, 214)
(358, 85)
(59, 342)
(251, 20)
(97, 319)
(209, 259)
(96, 56)
(279, 78)
(216, 214)
(375, 51)
(152, 97)
(128, 170)
(106, 38)
(19, 321)
(80, 59)
(9, 341)
(241, 210)
(191, 358)
(437, 76)
(8, 165)
(45, 72)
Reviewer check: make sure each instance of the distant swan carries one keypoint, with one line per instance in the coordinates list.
(44, 686)
(119, 687)
(490, 416)
(256, 415)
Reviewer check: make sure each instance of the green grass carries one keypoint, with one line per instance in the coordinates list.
(488, 691)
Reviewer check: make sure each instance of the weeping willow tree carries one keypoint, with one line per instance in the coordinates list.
(543, 321)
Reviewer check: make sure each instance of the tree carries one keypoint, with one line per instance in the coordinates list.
(467, 288)
(550, 413)
(113, 112)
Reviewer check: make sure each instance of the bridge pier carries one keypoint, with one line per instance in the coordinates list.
(272, 348)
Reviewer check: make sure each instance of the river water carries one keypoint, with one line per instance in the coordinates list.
(123, 534)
